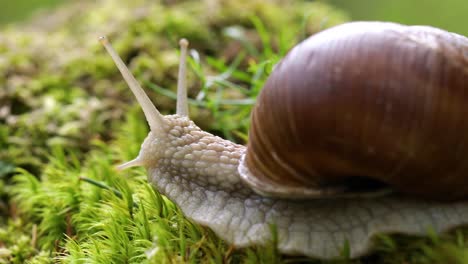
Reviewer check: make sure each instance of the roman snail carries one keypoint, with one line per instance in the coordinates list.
(349, 114)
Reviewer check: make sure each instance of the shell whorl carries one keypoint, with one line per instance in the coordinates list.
(365, 100)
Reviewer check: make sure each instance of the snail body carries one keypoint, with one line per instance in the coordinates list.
(349, 113)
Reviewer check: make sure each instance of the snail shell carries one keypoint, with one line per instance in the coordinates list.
(349, 112)
(364, 104)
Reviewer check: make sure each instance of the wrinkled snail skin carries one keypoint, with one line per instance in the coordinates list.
(211, 193)
(213, 182)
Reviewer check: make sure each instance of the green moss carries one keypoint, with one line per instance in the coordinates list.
(124, 222)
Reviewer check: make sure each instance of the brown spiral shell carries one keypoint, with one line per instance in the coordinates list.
(366, 100)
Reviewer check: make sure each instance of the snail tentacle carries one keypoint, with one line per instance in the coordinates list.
(182, 103)
(138, 161)
(153, 117)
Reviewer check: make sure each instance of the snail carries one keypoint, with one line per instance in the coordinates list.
(359, 130)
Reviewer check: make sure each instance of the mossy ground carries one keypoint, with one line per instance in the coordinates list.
(66, 119)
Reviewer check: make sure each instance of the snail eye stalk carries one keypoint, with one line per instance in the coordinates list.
(153, 117)
(182, 103)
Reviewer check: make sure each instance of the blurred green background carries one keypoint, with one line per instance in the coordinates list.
(451, 15)
(13, 11)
